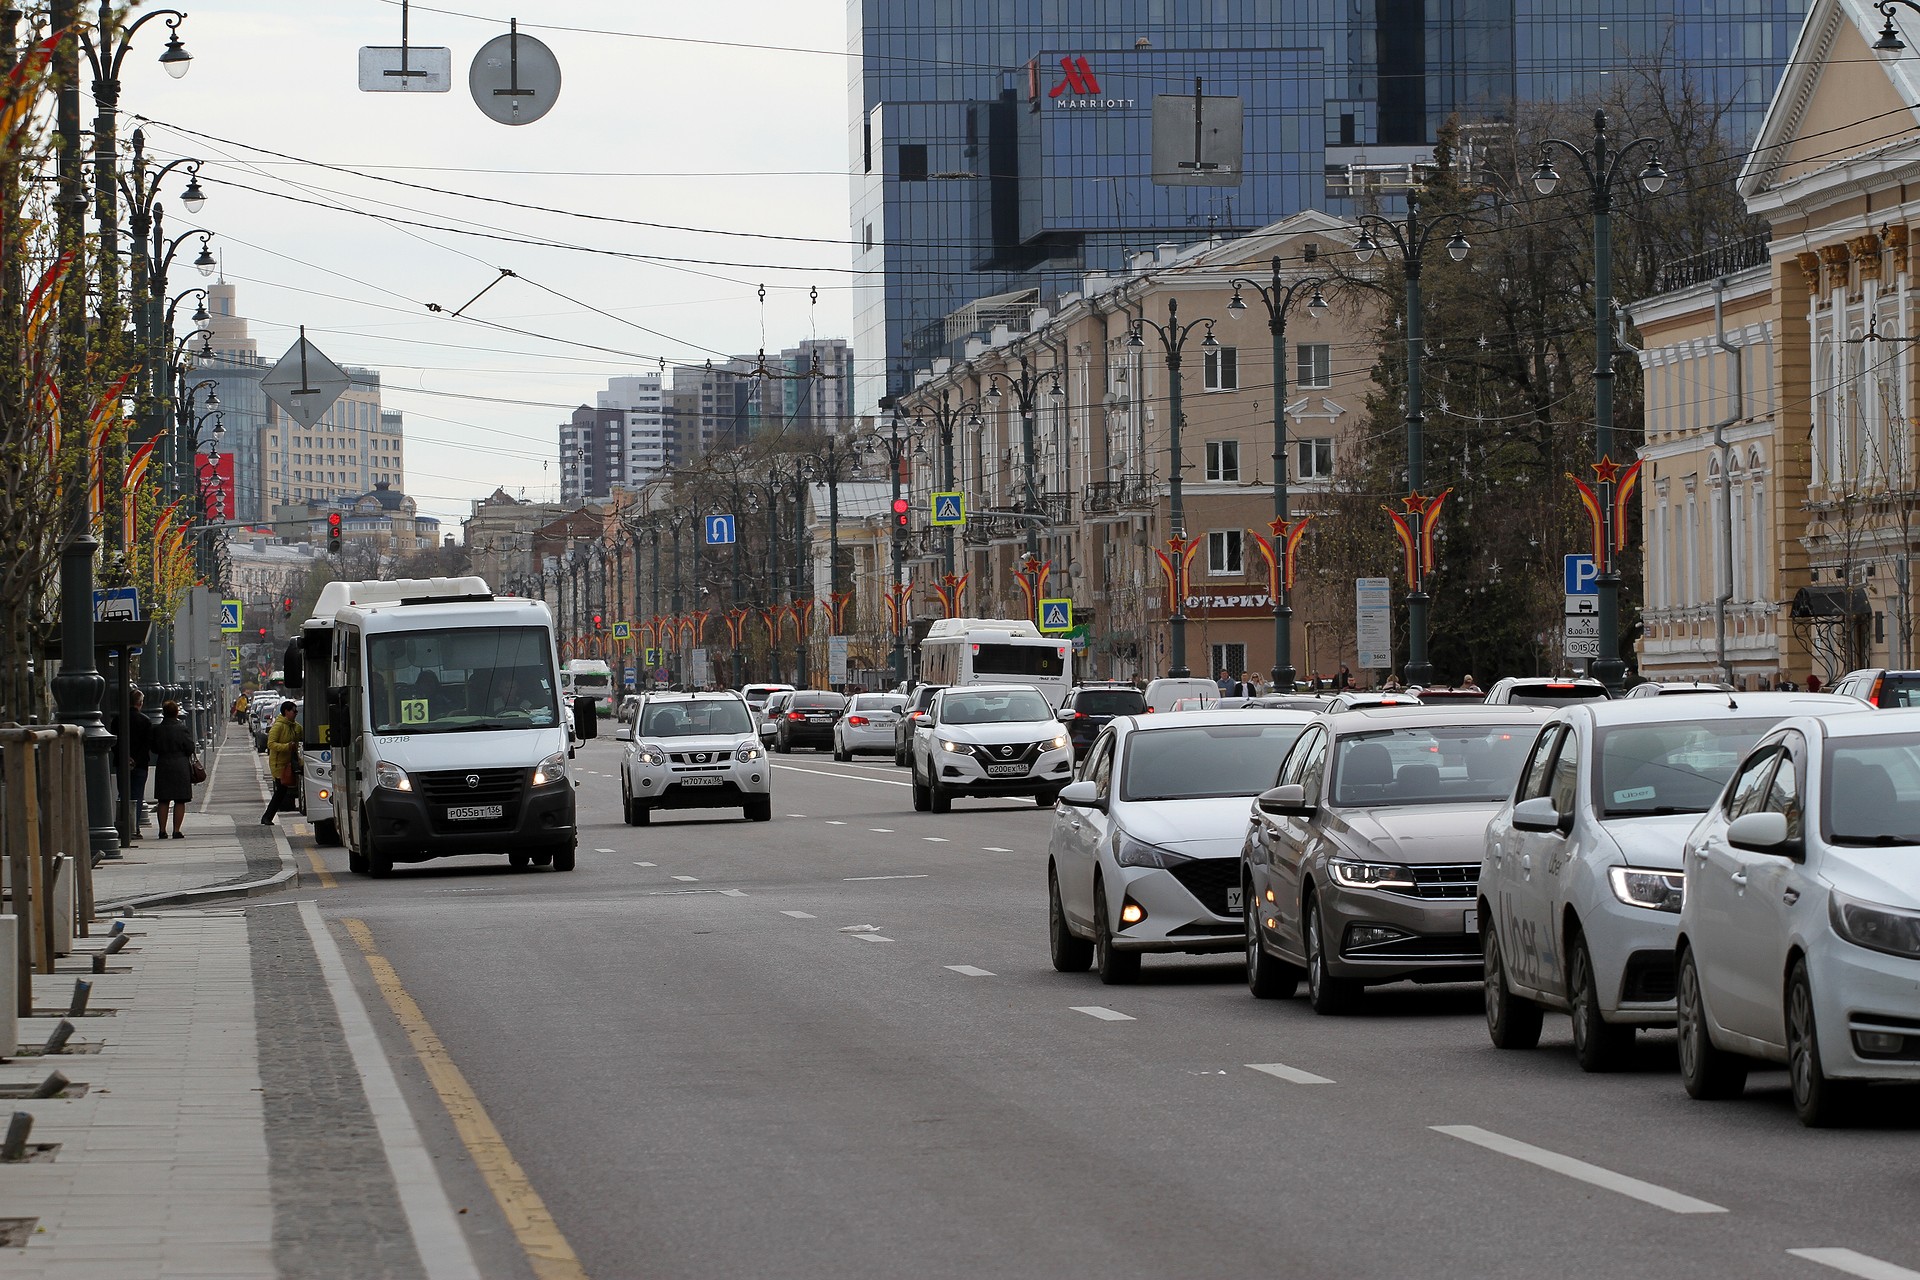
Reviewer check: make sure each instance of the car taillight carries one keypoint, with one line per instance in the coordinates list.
(795, 715)
(856, 719)
(1874, 697)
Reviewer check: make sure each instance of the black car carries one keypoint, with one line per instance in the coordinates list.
(1087, 708)
(915, 712)
(807, 720)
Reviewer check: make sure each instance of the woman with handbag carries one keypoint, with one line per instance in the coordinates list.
(283, 761)
(176, 767)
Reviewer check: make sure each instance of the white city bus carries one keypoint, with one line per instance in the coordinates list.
(306, 672)
(960, 651)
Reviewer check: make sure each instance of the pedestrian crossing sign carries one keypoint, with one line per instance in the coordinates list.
(1056, 614)
(622, 630)
(651, 657)
(949, 507)
(231, 613)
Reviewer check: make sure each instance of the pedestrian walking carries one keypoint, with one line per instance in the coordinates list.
(283, 761)
(1344, 679)
(176, 762)
(134, 741)
(1468, 686)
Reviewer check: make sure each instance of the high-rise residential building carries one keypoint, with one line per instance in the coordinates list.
(593, 453)
(816, 384)
(712, 406)
(998, 159)
(649, 439)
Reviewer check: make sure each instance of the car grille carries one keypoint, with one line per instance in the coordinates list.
(1650, 976)
(1422, 946)
(504, 787)
(1454, 880)
(1208, 880)
(699, 760)
(1023, 753)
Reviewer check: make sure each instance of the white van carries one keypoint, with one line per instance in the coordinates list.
(589, 678)
(448, 733)
(963, 651)
(1164, 692)
(306, 662)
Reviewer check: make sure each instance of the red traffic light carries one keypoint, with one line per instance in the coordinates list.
(900, 506)
(596, 622)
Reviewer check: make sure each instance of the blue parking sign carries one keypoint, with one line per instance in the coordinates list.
(1583, 576)
(719, 531)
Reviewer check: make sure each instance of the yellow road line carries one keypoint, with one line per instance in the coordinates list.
(547, 1250)
(320, 869)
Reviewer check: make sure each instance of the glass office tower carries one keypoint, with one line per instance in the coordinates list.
(1001, 148)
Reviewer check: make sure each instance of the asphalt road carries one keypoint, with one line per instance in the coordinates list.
(704, 1074)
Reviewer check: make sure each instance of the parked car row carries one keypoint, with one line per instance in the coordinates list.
(1740, 866)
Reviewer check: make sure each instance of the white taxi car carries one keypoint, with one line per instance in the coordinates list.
(695, 751)
(1800, 935)
(1581, 885)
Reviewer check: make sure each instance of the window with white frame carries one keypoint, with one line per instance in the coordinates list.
(1223, 369)
(1313, 458)
(1313, 365)
(1225, 553)
(1223, 460)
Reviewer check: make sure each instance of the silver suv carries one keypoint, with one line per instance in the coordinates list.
(695, 751)
(989, 740)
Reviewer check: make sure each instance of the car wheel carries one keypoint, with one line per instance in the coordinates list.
(922, 796)
(1707, 1071)
(759, 808)
(899, 757)
(1117, 968)
(1598, 1045)
(356, 861)
(782, 745)
(1070, 954)
(1820, 1102)
(1326, 993)
(519, 861)
(840, 753)
(1046, 799)
(1267, 978)
(562, 858)
(639, 813)
(939, 799)
(1513, 1022)
(326, 832)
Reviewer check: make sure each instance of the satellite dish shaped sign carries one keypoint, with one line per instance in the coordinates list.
(305, 383)
(514, 78)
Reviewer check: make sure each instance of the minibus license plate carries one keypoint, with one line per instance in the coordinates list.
(470, 812)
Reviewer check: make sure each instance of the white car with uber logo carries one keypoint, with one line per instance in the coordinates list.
(695, 751)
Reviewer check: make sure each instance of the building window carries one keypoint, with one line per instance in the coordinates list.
(1223, 369)
(1223, 460)
(913, 162)
(1313, 365)
(1224, 557)
(1309, 252)
(1313, 458)
(1230, 658)
(867, 234)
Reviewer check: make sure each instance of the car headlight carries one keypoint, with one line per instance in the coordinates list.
(1129, 852)
(650, 755)
(747, 752)
(552, 769)
(1875, 927)
(1646, 887)
(1350, 874)
(1060, 741)
(391, 776)
(958, 748)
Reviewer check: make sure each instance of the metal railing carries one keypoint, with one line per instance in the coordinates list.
(1723, 259)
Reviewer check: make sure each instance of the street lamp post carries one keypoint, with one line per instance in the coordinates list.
(1603, 166)
(1410, 239)
(897, 446)
(1026, 397)
(834, 459)
(1279, 297)
(946, 416)
(1173, 338)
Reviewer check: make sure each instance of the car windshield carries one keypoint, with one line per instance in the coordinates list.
(994, 708)
(878, 702)
(1442, 764)
(1873, 791)
(1202, 762)
(700, 717)
(1034, 658)
(1110, 702)
(460, 679)
(1670, 768)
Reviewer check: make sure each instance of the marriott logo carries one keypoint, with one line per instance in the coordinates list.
(1078, 89)
(1078, 80)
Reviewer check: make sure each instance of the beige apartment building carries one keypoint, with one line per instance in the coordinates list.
(1780, 489)
(1103, 449)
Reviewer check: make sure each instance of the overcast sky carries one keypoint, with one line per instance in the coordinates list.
(740, 140)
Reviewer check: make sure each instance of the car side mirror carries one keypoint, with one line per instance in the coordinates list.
(586, 717)
(1538, 814)
(1289, 801)
(623, 732)
(1084, 794)
(1762, 833)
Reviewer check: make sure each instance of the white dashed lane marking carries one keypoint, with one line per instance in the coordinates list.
(1646, 1192)
(885, 831)
(1102, 1012)
(688, 879)
(921, 876)
(935, 839)
(643, 864)
(1855, 1264)
(871, 937)
(606, 851)
(800, 915)
(1292, 1075)
(993, 849)
(834, 822)
(970, 971)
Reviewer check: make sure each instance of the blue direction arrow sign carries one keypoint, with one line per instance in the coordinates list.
(231, 613)
(949, 507)
(720, 531)
(1056, 614)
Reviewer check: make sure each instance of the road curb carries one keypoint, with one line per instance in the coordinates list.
(288, 876)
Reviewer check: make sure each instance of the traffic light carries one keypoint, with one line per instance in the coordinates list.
(598, 625)
(286, 608)
(900, 507)
(263, 633)
(333, 532)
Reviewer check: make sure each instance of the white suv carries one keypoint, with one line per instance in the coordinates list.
(989, 740)
(695, 751)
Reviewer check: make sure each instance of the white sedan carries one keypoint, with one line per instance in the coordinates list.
(1145, 850)
(1800, 934)
(866, 725)
(1581, 885)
